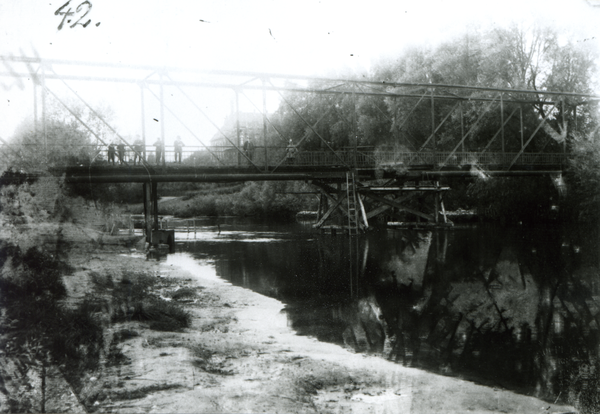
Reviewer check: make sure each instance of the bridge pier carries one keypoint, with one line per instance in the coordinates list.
(155, 235)
(343, 208)
(150, 209)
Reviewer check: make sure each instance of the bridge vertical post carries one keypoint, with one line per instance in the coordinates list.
(35, 105)
(462, 127)
(502, 120)
(44, 127)
(237, 126)
(264, 111)
(354, 127)
(143, 120)
(147, 187)
(155, 204)
(562, 107)
(162, 119)
(521, 118)
(433, 123)
(436, 207)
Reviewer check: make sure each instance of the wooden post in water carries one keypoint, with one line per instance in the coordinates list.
(148, 211)
(436, 207)
(155, 204)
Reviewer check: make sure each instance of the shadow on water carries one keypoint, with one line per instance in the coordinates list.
(516, 308)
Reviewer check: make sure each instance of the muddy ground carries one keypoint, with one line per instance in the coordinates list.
(239, 356)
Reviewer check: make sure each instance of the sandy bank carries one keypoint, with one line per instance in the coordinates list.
(239, 356)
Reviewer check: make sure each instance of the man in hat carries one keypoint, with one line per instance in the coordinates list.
(138, 147)
(290, 153)
(158, 147)
(178, 148)
(111, 153)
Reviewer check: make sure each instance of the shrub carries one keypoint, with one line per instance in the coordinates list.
(159, 314)
(37, 328)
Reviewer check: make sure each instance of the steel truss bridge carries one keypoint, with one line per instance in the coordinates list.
(410, 167)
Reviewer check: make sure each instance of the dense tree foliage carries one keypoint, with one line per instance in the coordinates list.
(518, 58)
(62, 140)
(583, 180)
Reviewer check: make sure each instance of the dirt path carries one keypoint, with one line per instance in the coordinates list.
(239, 356)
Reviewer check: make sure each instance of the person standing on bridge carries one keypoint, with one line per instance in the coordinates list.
(290, 153)
(178, 148)
(121, 152)
(249, 148)
(138, 147)
(111, 153)
(158, 146)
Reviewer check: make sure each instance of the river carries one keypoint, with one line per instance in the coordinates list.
(517, 308)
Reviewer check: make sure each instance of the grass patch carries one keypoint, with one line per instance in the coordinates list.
(210, 361)
(124, 395)
(159, 314)
(124, 335)
(134, 299)
(183, 293)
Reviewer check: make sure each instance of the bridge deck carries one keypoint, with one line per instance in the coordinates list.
(188, 173)
(216, 164)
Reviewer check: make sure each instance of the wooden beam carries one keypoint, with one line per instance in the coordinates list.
(328, 213)
(363, 213)
(399, 206)
(378, 211)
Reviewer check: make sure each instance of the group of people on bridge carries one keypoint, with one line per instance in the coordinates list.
(118, 149)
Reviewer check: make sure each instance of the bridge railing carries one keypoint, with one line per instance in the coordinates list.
(276, 156)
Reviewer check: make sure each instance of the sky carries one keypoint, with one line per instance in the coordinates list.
(309, 37)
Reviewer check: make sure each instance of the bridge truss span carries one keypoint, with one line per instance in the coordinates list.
(425, 131)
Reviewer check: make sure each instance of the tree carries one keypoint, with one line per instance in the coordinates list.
(517, 57)
(65, 139)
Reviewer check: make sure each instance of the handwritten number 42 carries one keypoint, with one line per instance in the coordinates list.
(85, 6)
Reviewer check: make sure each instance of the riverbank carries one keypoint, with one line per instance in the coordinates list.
(238, 355)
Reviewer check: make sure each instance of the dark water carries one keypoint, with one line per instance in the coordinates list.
(517, 308)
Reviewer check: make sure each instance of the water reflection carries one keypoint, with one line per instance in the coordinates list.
(516, 308)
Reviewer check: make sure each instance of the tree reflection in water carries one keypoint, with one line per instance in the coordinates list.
(513, 308)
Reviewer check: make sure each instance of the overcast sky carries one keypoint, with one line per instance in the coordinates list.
(307, 37)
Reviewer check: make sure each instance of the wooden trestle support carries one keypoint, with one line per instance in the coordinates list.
(348, 207)
(154, 235)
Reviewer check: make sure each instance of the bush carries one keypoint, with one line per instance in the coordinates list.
(37, 328)
(159, 314)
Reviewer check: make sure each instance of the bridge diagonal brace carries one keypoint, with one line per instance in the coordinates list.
(485, 111)
(305, 136)
(399, 206)
(215, 125)
(336, 203)
(499, 130)
(190, 131)
(439, 126)
(310, 126)
(78, 118)
(411, 111)
(148, 168)
(531, 138)
(284, 139)
(382, 209)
